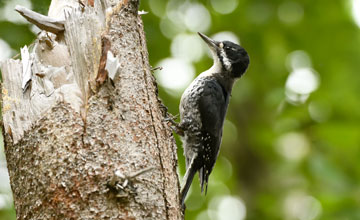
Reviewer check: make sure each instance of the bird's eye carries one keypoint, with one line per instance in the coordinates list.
(230, 48)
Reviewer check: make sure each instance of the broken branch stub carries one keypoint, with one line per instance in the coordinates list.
(41, 21)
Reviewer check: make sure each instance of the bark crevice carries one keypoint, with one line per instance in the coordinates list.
(142, 43)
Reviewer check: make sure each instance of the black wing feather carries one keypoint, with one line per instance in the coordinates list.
(212, 105)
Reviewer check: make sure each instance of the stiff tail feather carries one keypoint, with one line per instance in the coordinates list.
(189, 176)
(204, 177)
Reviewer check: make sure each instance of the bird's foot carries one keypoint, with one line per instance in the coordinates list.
(176, 127)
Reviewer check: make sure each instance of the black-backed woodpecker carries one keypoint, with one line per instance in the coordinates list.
(203, 108)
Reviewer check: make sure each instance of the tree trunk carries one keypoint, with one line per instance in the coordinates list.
(85, 136)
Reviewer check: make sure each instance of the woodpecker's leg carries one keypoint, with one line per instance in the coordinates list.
(178, 128)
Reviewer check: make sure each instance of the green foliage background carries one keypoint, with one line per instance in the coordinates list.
(250, 165)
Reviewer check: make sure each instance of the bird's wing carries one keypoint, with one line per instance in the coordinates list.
(212, 105)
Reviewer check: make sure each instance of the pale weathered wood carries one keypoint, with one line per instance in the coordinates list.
(43, 22)
(68, 133)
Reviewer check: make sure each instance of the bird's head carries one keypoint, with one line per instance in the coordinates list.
(229, 56)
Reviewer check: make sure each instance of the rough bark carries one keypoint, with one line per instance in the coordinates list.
(84, 131)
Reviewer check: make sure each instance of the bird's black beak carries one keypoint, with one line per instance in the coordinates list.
(214, 45)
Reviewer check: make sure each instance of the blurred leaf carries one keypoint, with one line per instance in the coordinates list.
(41, 6)
(16, 35)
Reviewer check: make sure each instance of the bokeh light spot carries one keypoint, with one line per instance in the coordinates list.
(226, 35)
(5, 50)
(173, 22)
(205, 215)
(2, 202)
(300, 83)
(231, 208)
(219, 187)
(226, 168)
(293, 146)
(170, 29)
(181, 16)
(224, 7)
(176, 75)
(8, 12)
(356, 11)
(157, 7)
(298, 205)
(298, 59)
(188, 47)
(197, 18)
(290, 12)
(4, 176)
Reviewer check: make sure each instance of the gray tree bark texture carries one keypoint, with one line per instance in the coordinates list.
(85, 136)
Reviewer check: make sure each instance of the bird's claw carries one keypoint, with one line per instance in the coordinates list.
(176, 127)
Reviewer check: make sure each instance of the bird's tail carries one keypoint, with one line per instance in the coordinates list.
(189, 176)
(204, 177)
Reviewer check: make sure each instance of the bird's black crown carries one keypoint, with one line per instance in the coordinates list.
(236, 55)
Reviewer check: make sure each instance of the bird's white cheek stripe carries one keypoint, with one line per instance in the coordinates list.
(226, 61)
